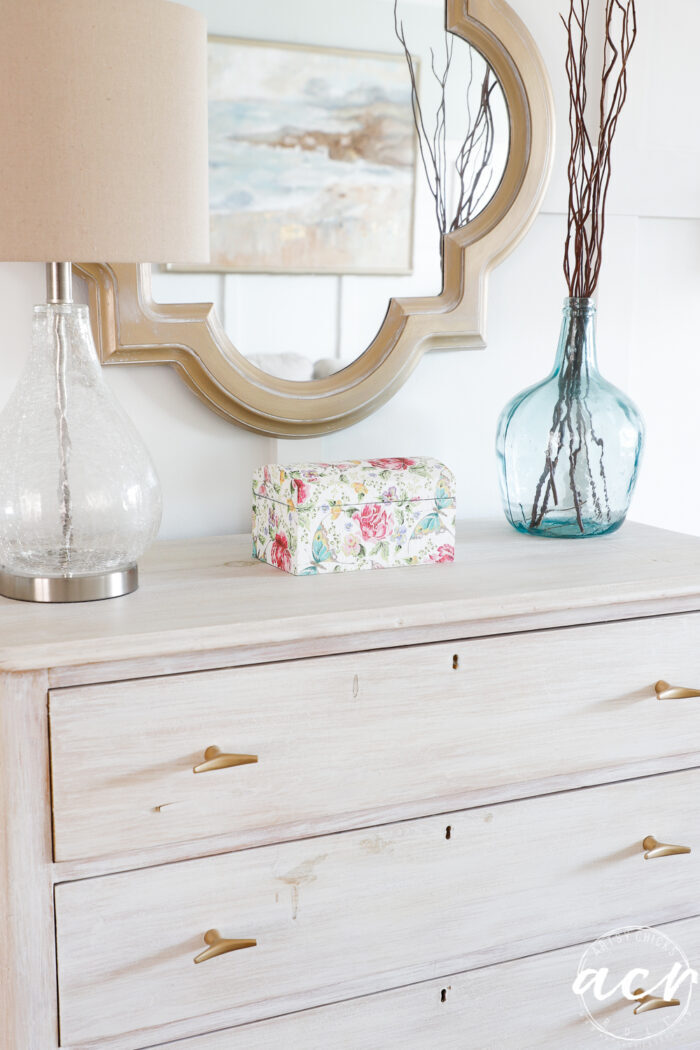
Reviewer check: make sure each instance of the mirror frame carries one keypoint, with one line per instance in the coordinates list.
(130, 328)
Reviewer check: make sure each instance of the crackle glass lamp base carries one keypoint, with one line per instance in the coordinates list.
(79, 496)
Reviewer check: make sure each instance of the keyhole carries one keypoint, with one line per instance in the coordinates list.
(448, 831)
(443, 995)
(455, 662)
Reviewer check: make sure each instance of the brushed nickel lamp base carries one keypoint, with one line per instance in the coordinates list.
(51, 589)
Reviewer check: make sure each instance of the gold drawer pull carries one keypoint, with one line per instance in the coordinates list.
(664, 691)
(656, 849)
(652, 1002)
(216, 759)
(219, 945)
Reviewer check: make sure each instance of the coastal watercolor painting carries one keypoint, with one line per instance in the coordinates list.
(312, 160)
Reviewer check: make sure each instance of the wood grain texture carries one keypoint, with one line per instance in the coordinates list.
(131, 328)
(523, 1005)
(381, 735)
(206, 595)
(367, 910)
(28, 1019)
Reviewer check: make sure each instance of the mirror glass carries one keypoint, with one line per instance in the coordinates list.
(321, 207)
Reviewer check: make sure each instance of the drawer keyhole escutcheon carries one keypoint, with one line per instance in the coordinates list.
(214, 758)
(664, 691)
(654, 849)
(651, 1002)
(219, 945)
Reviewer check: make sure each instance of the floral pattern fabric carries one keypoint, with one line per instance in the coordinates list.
(361, 514)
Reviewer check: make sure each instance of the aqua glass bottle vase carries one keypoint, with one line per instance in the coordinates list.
(569, 448)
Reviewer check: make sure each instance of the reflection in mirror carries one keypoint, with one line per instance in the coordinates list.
(323, 198)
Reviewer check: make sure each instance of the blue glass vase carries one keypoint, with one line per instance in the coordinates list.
(569, 448)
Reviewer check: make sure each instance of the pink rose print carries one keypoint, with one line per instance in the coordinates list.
(375, 521)
(279, 553)
(302, 491)
(443, 554)
(392, 464)
(351, 545)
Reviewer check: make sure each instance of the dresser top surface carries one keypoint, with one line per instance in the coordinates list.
(208, 594)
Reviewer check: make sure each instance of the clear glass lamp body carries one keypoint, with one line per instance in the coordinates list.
(569, 448)
(79, 494)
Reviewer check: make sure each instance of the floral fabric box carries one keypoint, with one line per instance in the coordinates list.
(360, 514)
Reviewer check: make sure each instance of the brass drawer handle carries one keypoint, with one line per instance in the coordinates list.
(652, 1002)
(219, 945)
(216, 759)
(656, 849)
(664, 691)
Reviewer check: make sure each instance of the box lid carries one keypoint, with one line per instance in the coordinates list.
(355, 481)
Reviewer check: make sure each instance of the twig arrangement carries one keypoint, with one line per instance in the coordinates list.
(474, 156)
(590, 166)
(573, 446)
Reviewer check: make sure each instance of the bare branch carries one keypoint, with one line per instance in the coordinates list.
(473, 163)
(590, 166)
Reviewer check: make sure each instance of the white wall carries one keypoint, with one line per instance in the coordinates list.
(649, 305)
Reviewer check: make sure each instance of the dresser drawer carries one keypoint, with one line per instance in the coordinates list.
(349, 740)
(364, 911)
(524, 1005)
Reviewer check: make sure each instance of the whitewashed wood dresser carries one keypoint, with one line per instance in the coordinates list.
(404, 799)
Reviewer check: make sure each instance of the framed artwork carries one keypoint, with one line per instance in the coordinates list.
(312, 160)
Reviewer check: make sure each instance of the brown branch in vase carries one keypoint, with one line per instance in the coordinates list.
(473, 161)
(572, 436)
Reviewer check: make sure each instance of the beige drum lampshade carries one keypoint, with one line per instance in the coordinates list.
(103, 131)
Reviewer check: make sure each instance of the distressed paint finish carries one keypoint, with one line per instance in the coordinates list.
(369, 910)
(387, 735)
(493, 1007)
(28, 1018)
(495, 726)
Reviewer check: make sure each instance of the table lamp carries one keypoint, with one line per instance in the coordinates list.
(103, 157)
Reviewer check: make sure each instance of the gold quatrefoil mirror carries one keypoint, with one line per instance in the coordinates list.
(344, 244)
